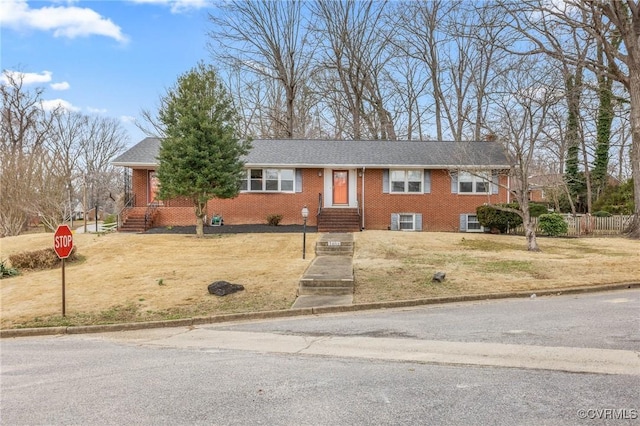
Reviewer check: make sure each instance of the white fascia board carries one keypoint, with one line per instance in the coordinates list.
(136, 165)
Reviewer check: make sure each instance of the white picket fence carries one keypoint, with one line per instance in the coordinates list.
(587, 225)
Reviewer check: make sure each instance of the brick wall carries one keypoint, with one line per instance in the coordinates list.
(440, 209)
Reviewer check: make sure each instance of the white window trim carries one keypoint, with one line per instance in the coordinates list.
(406, 181)
(481, 229)
(413, 222)
(264, 179)
(474, 178)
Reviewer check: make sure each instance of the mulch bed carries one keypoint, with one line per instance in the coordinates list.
(233, 229)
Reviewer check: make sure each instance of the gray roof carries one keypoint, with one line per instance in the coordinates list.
(341, 153)
(142, 154)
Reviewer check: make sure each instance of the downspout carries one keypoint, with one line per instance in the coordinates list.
(508, 189)
(362, 202)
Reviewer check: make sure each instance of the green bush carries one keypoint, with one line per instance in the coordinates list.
(111, 218)
(536, 210)
(553, 224)
(39, 259)
(492, 218)
(7, 271)
(274, 219)
(617, 199)
(602, 213)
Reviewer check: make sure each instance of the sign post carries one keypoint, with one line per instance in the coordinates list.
(62, 245)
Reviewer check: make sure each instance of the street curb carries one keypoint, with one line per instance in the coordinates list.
(189, 322)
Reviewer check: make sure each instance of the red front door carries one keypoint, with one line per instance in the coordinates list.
(340, 187)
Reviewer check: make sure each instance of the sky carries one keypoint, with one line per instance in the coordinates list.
(113, 58)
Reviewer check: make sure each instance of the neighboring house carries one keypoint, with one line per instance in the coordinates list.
(346, 185)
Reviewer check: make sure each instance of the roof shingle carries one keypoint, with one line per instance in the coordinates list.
(340, 153)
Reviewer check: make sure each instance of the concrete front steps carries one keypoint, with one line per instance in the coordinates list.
(331, 272)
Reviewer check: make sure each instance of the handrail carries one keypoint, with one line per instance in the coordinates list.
(130, 202)
(150, 213)
(319, 203)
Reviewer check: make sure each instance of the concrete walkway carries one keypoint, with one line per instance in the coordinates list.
(328, 274)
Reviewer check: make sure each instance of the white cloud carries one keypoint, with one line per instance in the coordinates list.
(128, 119)
(25, 77)
(63, 21)
(51, 104)
(93, 110)
(63, 85)
(177, 6)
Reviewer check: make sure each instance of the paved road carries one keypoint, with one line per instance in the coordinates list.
(548, 360)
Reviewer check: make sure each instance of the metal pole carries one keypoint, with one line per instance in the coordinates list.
(304, 238)
(63, 292)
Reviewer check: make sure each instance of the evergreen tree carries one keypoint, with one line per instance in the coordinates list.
(200, 155)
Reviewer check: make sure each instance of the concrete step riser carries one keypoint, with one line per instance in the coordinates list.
(334, 253)
(326, 283)
(325, 291)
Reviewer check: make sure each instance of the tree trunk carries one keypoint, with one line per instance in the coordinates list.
(633, 230)
(529, 228)
(200, 210)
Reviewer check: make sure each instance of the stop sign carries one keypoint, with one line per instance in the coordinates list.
(63, 241)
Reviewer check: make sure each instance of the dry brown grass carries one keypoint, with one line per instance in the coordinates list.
(397, 266)
(132, 277)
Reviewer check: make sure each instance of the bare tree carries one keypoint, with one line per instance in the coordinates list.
(267, 39)
(519, 116)
(457, 44)
(104, 138)
(23, 132)
(353, 45)
(600, 19)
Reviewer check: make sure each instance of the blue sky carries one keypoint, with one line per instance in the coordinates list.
(104, 57)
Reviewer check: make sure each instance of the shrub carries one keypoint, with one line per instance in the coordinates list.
(111, 218)
(617, 199)
(553, 224)
(39, 259)
(274, 219)
(492, 218)
(7, 271)
(536, 210)
(602, 213)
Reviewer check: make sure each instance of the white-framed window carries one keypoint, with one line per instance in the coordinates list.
(268, 180)
(406, 181)
(469, 223)
(474, 183)
(406, 222)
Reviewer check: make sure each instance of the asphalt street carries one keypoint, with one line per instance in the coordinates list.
(535, 361)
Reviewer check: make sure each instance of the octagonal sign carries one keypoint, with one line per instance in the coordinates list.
(63, 241)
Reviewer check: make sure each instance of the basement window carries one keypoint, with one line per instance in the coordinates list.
(406, 222)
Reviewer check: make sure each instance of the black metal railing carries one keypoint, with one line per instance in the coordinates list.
(319, 203)
(150, 214)
(129, 203)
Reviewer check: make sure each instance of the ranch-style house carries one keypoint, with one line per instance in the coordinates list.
(347, 185)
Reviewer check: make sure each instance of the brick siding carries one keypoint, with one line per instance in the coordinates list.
(440, 209)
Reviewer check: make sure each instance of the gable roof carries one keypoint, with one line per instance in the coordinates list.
(142, 154)
(312, 153)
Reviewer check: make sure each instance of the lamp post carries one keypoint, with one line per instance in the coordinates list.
(305, 215)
